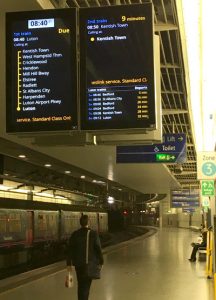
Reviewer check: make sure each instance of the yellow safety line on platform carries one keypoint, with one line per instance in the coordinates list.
(215, 286)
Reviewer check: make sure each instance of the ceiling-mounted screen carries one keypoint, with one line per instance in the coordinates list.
(117, 68)
(41, 71)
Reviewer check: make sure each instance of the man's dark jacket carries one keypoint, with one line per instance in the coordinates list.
(76, 252)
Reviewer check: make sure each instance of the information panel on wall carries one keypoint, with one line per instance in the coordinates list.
(41, 70)
(117, 67)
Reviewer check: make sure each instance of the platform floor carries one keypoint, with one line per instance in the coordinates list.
(153, 268)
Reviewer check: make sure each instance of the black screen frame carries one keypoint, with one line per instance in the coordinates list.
(102, 125)
(70, 15)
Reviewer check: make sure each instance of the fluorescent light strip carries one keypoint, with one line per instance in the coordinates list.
(191, 23)
(201, 50)
(209, 66)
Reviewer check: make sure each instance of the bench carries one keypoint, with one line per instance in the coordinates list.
(195, 228)
(202, 254)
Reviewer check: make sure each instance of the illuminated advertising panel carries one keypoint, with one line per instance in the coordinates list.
(41, 71)
(117, 68)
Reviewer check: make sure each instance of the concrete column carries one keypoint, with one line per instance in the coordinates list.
(164, 209)
(168, 215)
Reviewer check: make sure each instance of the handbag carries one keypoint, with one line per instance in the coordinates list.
(69, 280)
(93, 269)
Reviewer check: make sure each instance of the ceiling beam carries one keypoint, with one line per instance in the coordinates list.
(187, 173)
(172, 92)
(186, 180)
(167, 112)
(170, 66)
(165, 26)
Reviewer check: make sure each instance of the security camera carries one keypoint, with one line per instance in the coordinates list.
(178, 169)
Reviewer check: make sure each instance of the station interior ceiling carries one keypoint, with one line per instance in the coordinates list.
(148, 181)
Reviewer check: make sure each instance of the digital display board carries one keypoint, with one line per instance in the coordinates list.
(117, 67)
(185, 198)
(41, 67)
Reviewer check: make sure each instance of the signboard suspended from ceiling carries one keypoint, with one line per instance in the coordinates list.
(41, 71)
(117, 82)
(117, 68)
(172, 150)
(185, 198)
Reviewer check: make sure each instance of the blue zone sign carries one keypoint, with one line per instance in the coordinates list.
(172, 150)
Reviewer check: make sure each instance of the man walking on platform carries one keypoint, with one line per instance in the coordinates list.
(76, 255)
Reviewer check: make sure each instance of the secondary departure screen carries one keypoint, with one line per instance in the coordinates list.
(117, 67)
(41, 70)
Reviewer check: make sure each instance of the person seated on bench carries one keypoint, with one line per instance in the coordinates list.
(196, 246)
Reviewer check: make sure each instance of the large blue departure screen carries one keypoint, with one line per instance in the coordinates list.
(117, 67)
(41, 70)
(185, 198)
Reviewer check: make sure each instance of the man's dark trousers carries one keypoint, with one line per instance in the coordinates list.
(84, 283)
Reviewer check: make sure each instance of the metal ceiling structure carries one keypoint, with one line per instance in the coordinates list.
(175, 109)
(31, 171)
(176, 118)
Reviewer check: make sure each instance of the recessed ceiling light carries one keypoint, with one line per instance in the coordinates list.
(6, 174)
(48, 165)
(82, 177)
(67, 172)
(22, 156)
(110, 199)
(99, 182)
